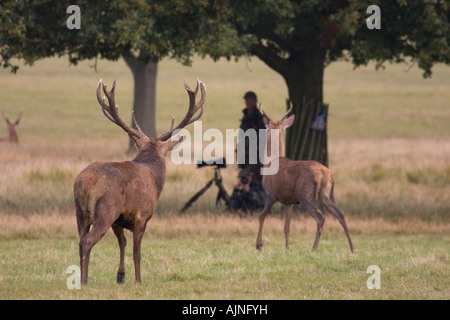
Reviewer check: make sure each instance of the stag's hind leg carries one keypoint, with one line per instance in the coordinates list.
(103, 221)
(118, 231)
(86, 243)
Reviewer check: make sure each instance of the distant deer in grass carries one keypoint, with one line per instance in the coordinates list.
(12, 130)
(124, 194)
(302, 182)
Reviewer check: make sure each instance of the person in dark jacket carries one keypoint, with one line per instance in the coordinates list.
(248, 194)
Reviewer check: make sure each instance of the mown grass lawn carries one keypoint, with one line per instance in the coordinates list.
(220, 262)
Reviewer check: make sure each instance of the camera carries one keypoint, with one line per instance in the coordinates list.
(244, 180)
(219, 163)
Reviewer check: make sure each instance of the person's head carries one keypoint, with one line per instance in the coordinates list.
(250, 100)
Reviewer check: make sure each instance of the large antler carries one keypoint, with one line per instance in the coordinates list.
(111, 111)
(193, 108)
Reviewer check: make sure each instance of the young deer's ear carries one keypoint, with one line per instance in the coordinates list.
(6, 119)
(265, 118)
(266, 121)
(18, 120)
(286, 123)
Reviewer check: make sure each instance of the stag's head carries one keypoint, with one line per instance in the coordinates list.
(281, 125)
(161, 144)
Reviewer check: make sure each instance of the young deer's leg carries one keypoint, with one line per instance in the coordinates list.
(262, 217)
(332, 207)
(118, 231)
(287, 224)
(314, 211)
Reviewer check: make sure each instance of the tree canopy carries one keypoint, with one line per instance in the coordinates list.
(149, 30)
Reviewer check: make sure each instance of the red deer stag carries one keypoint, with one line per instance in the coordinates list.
(12, 130)
(302, 182)
(124, 194)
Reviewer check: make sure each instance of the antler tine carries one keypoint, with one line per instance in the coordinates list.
(287, 113)
(198, 105)
(110, 110)
(137, 124)
(193, 109)
(102, 103)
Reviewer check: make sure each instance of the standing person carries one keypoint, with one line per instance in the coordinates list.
(248, 194)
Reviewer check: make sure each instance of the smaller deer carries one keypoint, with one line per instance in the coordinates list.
(124, 194)
(12, 129)
(302, 182)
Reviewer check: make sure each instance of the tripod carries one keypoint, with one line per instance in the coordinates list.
(221, 195)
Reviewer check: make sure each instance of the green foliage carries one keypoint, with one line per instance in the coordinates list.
(149, 30)
(411, 30)
(414, 29)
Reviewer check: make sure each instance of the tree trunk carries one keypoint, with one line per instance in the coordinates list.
(144, 103)
(303, 72)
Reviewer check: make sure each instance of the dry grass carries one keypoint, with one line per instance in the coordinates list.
(203, 226)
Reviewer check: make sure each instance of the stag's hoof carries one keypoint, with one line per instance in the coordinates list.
(121, 278)
(259, 246)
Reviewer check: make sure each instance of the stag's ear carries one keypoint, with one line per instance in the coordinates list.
(286, 123)
(170, 144)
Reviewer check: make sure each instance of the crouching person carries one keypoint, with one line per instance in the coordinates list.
(248, 195)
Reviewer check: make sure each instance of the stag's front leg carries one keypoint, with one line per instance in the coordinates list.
(138, 233)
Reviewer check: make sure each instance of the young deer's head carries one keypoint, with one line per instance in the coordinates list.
(281, 125)
(147, 146)
(12, 129)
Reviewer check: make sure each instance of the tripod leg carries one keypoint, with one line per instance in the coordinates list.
(223, 194)
(196, 196)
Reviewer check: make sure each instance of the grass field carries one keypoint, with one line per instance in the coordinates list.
(389, 144)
